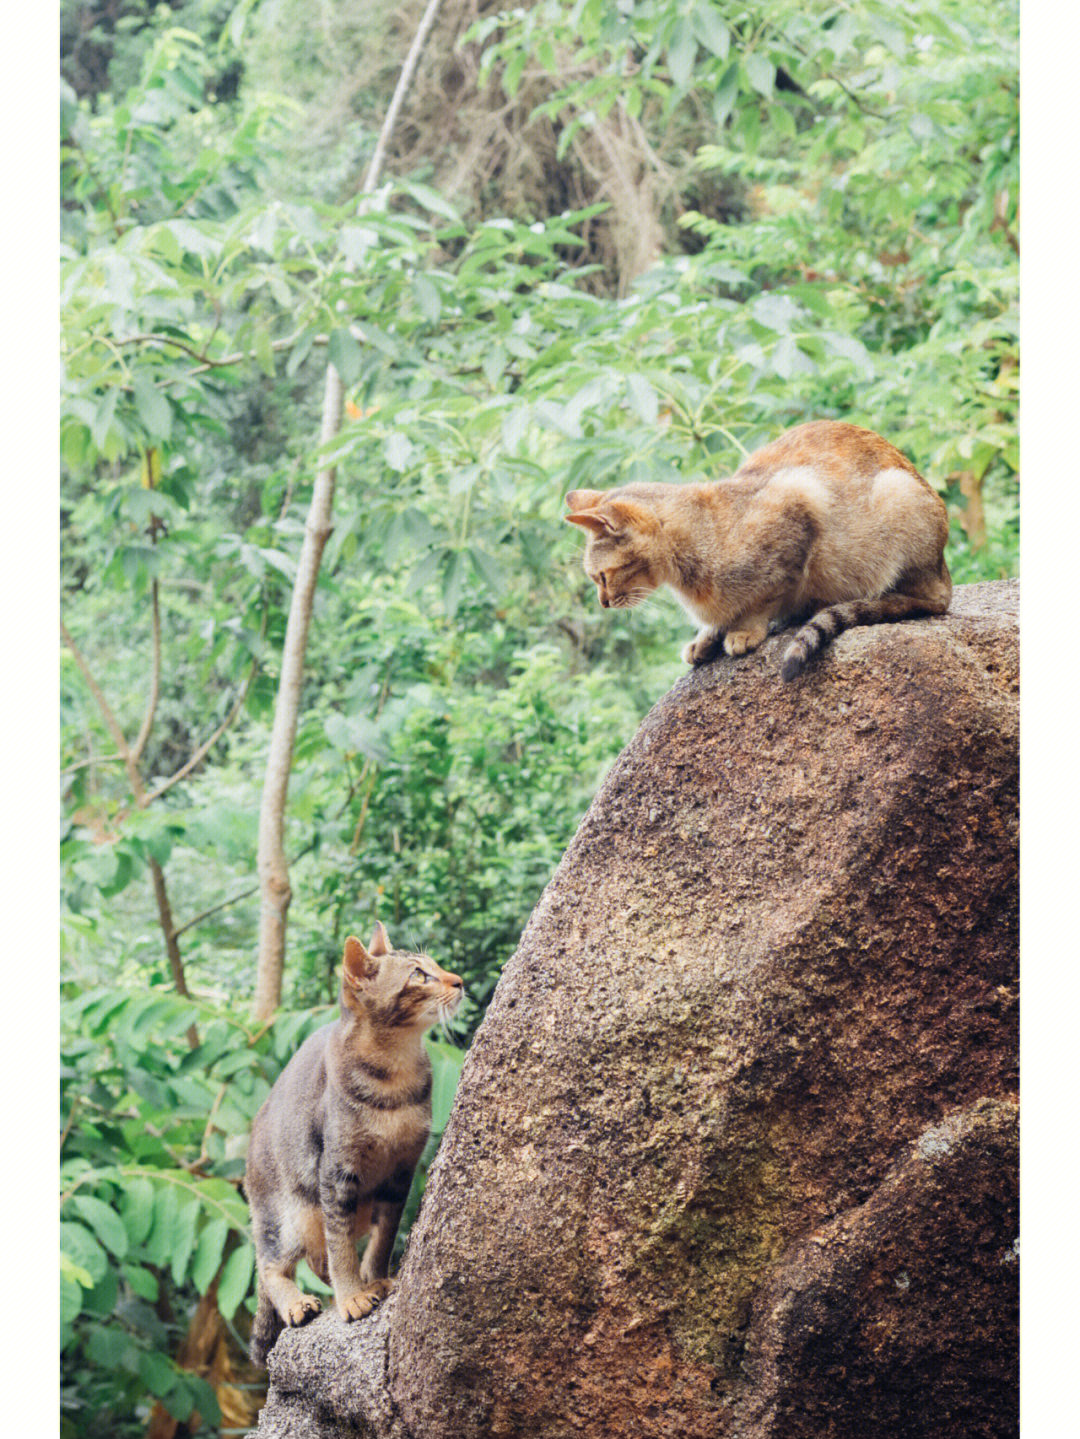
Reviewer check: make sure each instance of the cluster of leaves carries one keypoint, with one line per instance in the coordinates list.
(465, 695)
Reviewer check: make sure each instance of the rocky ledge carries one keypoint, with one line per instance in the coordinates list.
(734, 1151)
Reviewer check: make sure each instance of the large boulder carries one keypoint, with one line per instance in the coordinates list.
(734, 1151)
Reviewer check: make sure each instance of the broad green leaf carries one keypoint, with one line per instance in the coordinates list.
(183, 1241)
(152, 407)
(158, 1373)
(489, 569)
(761, 72)
(398, 451)
(643, 398)
(104, 1221)
(345, 355)
(74, 1272)
(106, 1345)
(682, 53)
(160, 1240)
(70, 1299)
(101, 1299)
(83, 1249)
(235, 1279)
(141, 1282)
(427, 297)
(208, 1253)
(711, 30)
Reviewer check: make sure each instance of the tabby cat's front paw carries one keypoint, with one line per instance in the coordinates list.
(305, 1308)
(703, 648)
(379, 1287)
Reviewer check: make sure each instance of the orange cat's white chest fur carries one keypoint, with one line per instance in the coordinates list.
(829, 521)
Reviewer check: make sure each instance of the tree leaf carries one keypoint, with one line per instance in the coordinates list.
(80, 1245)
(140, 1281)
(70, 1299)
(643, 398)
(183, 1240)
(235, 1279)
(158, 1373)
(398, 451)
(761, 72)
(346, 356)
(152, 407)
(711, 31)
(682, 53)
(159, 1241)
(208, 1253)
(105, 1222)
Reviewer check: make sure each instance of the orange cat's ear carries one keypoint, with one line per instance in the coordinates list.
(380, 940)
(627, 515)
(584, 512)
(584, 499)
(594, 511)
(358, 964)
(593, 521)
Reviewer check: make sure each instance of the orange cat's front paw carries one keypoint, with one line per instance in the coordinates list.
(360, 1304)
(741, 642)
(305, 1308)
(703, 647)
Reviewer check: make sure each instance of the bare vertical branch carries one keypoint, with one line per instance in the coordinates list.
(112, 724)
(155, 675)
(272, 864)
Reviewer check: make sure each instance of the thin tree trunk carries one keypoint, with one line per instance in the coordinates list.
(172, 947)
(131, 757)
(272, 865)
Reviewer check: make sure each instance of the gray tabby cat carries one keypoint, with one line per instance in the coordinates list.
(334, 1147)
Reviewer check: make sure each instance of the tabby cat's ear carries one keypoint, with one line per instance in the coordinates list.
(358, 963)
(380, 940)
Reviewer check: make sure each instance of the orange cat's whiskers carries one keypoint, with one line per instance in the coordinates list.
(631, 599)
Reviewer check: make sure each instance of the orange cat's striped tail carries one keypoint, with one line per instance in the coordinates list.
(834, 619)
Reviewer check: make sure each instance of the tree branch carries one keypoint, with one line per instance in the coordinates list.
(155, 675)
(214, 908)
(172, 949)
(207, 745)
(211, 362)
(408, 70)
(138, 789)
(273, 867)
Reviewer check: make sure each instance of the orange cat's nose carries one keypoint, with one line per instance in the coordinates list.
(604, 599)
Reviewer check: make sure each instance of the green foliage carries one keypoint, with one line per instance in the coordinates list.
(464, 695)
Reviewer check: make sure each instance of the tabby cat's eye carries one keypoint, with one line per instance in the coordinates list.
(421, 974)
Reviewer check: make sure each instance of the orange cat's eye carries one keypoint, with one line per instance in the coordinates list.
(421, 974)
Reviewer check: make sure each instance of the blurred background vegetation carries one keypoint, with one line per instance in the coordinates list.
(617, 241)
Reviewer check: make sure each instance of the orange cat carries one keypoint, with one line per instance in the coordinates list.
(829, 520)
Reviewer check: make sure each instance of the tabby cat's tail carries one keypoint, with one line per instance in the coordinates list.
(265, 1329)
(834, 619)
